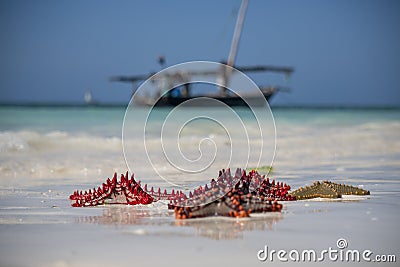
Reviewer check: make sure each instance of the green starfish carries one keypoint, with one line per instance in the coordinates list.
(327, 189)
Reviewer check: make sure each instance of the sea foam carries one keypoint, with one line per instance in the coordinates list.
(56, 154)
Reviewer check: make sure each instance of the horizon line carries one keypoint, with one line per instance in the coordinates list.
(120, 104)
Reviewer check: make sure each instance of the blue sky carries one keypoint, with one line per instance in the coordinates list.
(345, 52)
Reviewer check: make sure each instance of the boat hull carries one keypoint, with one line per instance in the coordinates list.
(203, 102)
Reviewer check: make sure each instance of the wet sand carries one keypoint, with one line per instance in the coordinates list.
(39, 228)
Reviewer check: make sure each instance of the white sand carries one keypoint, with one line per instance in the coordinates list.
(39, 228)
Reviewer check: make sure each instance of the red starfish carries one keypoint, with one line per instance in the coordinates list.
(234, 196)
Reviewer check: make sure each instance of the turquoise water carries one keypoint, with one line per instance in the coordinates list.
(100, 121)
(71, 142)
(81, 119)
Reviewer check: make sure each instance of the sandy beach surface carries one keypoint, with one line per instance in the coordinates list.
(39, 228)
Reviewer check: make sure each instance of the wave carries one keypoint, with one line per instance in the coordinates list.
(56, 154)
(31, 157)
(25, 141)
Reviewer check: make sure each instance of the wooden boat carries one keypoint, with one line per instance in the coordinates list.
(221, 74)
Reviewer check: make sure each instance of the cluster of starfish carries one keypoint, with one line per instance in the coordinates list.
(232, 196)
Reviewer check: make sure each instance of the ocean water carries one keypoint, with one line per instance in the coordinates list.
(84, 144)
(47, 152)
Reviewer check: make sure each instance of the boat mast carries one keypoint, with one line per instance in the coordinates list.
(237, 33)
(234, 47)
